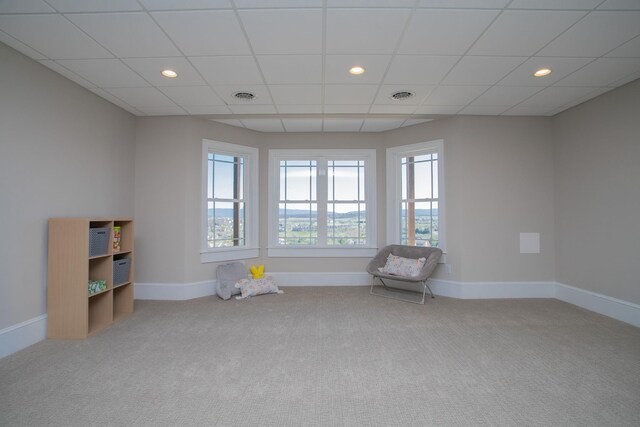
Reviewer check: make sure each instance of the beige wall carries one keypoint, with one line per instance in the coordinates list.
(597, 152)
(498, 183)
(168, 188)
(63, 152)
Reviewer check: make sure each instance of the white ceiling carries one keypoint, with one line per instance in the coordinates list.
(458, 56)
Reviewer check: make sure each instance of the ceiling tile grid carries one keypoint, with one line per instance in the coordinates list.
(457, 56)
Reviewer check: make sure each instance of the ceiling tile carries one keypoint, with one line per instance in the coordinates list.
(354, 94)
(523, 33)
(193, 96)
(554, 4)
(342, 125)
(555, 96)
(438, 109)
(106, 95)
(291, 69)
(337, 68)
(302, 125)
(283, 31)
(199, 33)
(393, 109)
(126, 34)
(602, 72)
(593, 36)
(413, 69)
(523, 75)
(252, 109)
(626, 79)
(483, 110)
(620, 4)
(21, 6)
(104, 72)
(346, 109)
(228, 70)
(380, 125)
(142, 97)
(263, 125)
(300, 109)
(53, 36)
(65, 6)
(505, 96)
(185, 4)
(260, 91)
(150, 69)
(259, 4)
(20, 47)
(296, 94)
(449, 32)
(630, 49)
(482, 70)
(232, 122)
(385, 92)
(364, 31)
(454, 95)
(412, 122)
(68, 74)
(527, 111)
(208, 109)
(370, 3)
(485, 4)
(163, 111)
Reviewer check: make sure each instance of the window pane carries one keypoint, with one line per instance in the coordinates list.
(423, 223)
(422, 180)
(435, 179)
(226, 224)
(344, 222)
(298, 224)
(403, 178)
(210, 176)
(223, 179)
(299, 180)
(345, 182)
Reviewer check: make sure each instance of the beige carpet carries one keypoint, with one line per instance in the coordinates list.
(333, 357)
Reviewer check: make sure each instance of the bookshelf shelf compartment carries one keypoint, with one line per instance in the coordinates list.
(72, 312)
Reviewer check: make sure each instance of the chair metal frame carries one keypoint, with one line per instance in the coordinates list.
(432, 256)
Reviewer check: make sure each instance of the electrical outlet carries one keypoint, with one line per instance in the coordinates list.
(447, 268)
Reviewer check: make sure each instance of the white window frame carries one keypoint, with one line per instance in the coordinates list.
(394, 190)
(251, 248)
(275, 249)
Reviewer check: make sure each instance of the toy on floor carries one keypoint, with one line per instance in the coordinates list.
(257, 271)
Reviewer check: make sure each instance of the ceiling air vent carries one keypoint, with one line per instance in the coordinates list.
(244, 96)
(402, 95)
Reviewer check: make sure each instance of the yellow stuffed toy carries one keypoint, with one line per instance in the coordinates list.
(257, 271)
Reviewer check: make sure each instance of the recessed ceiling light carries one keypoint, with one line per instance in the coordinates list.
(356, 70)
(542, 72)
(169, 73)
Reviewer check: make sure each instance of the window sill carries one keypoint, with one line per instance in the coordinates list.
(306, 252)
(230, 254)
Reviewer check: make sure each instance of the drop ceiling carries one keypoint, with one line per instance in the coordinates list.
(457, 56)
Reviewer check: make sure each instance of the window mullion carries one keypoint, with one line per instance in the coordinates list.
(322, 191)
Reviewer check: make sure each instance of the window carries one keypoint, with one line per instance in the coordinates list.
(230, 202)
(415, 198)
(322, 203)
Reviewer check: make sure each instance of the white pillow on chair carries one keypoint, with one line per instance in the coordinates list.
(399, 266)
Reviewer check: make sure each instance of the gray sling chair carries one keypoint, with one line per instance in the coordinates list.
(432, 256)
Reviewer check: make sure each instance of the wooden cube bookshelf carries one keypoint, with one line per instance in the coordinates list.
(72, 312)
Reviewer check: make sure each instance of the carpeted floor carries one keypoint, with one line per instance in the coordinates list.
(333, 356)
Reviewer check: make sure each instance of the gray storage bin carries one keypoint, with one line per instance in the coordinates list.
(121, 271)
(99, 241)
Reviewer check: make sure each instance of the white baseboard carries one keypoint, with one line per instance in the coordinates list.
(489, 290)
(22, 335)
(612, 307)
(174, 291)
